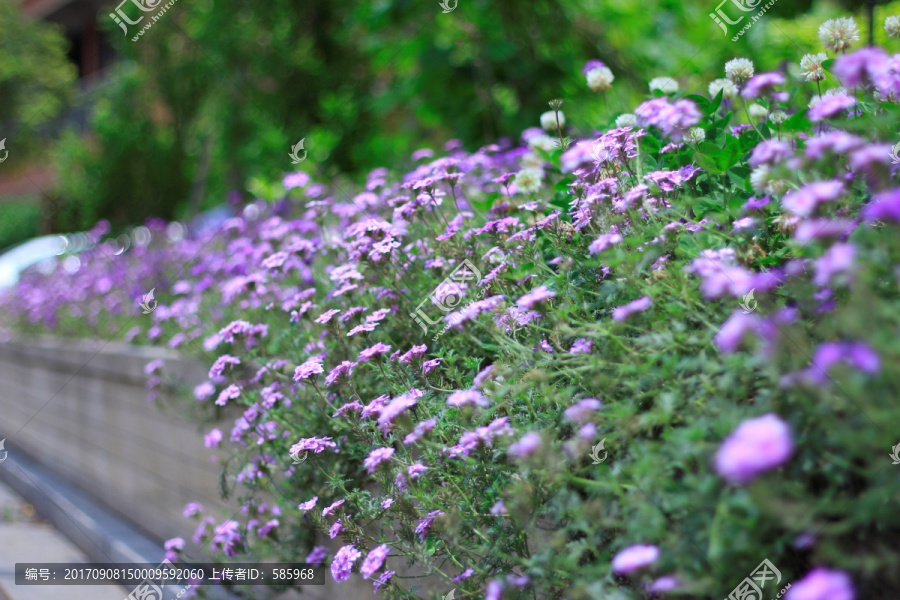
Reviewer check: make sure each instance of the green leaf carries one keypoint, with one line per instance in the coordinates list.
(707, 163)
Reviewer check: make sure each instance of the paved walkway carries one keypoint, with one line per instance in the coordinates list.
(24, 538)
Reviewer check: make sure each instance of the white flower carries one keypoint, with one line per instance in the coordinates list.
(600, 79)
(892, 26)
(626, 120)
(778, 117)
(695, 135)
(548, 120)
(764, 182)
(531, 160)
(544, 142)
(811, 66)
(838, 35)
(726, 86)
(666, 85)
(739, 70)
(757, 111)
(529, 180)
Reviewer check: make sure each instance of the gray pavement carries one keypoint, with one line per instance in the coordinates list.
(25, 538)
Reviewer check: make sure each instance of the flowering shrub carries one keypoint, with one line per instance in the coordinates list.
(706, 293)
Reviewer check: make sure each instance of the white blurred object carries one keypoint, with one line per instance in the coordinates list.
(18, 258)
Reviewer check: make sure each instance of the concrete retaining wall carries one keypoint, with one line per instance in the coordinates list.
(80, 409)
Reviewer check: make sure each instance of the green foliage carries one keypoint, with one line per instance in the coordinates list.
(35, 76)
(216, 93)
(21, 221)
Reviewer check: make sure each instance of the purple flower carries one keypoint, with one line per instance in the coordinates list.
(314, 444)
(397, 407)
(374, 560)
(204, 391)
(343, 369)
(673, 120)
(229, 393)
(538, 294)
(221, 364)
(424, 525)
(430, 365)
(377, 457)
(803, 202)
(822, 584)
(582, 346)
(414, 471)
(756, 203)
(884, 206)
(640, 305)
(581, 410)
(309, 504)
(295, 180)
(191, 509)
(493, 591)
(730, 336)
(633, 558)
(663, 584)
(420, 430)
(153, 366)
(830, 106)
(212, 439)
(336, 529)
(317, 555)
(770, 152)
(313, 366)
(387, 503)
(343, 561)
(527, 445)
(856, 354)
(463, 576)
(385, 577)
(174, 544)
(603, 242)
(591, 65)
(837, 259)
(332, 507)
(762, 85)
(860, 67)
(756, 446)
(812, 229)
(465, 397)
(372, 351)
(326, 316)
(414, 352)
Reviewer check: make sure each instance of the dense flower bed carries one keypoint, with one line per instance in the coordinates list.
(638, 363)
